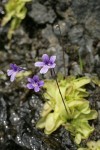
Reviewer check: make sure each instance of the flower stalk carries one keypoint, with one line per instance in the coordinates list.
(66, 107)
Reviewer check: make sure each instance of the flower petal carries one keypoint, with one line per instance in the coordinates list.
(36, 89)
(9, 72)
(52, 59)
(44, 70)
(45, 58)
(19, 69)
(39, 64)
(29, 86)
(41, 83)
(13, 76)
(52, 66)
(11, 66)
(36, 78)
(30, 80)
(14, 67)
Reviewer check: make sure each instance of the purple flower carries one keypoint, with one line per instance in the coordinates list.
(35, 83)
(13, 71)
(46, 63)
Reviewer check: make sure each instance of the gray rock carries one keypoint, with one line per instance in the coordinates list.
(41, 14)
(87, 12)
(98, 105)
(49, 35)
(60, 28)
(75, 70)
(69, 17)
(81, 15)
(3, 110)
(62, 6)
(81, 9)
(86, 52)
(60, 60)
(76, 33)
(93, 25)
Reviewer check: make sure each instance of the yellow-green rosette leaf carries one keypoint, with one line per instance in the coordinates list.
(41, 123)
(78, 113)
(52, 123)
(78, 138)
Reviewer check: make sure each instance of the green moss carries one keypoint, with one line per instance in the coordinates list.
(54, 114)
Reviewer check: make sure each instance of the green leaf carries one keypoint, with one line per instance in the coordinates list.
(15, 12)
(78, 112)
(46, 109)
(78, 138)
(41, 123)
(52, 123)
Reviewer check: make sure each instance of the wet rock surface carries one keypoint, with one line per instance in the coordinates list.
(41, 14)
(17, 126)
(39, 33)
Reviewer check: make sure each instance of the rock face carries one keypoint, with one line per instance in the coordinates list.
(79, 21)
(87, 13)
(50, 26)
(41, 14)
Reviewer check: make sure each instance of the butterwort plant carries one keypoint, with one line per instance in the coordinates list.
(66, 105)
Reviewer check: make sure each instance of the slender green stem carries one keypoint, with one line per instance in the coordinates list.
(66, 107)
